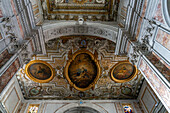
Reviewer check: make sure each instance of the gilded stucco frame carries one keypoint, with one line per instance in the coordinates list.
(69, 62)
(125, 80)
(76, 12)
(35, 79)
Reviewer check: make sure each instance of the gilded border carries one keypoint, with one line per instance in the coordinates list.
(125, 80)
(35, 79)
(77, 12)
(69, 62)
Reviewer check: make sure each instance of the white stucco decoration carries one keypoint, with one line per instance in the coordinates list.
(72, 105)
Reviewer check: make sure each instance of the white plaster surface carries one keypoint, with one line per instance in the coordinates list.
(12, 101)
(11, 96)
(110, 107)
(59, 106)
(52, 107)
(148, 100)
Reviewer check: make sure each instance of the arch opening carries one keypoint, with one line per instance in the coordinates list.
(81, 110)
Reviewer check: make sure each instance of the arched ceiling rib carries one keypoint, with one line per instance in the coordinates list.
(57, 30)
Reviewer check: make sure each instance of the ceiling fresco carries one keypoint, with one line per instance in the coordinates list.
(59, 53)
(93, 10)
(39, 71)
(82, 70)
(123, 72)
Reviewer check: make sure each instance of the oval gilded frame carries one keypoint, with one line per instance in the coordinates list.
(135, 71)
(35, 79)
(69, 62)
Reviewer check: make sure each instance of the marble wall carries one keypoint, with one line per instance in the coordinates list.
(158, 86)
(9, 73)
(4, 57)
(163, 38)
(158, 13)
(160, 64)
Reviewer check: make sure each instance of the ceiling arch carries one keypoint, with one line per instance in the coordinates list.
(52, 31)
(81, 110)
(87, 105)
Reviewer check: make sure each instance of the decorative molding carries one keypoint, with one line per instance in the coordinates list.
(123, 71)
(106, 33)
(58, 52)
(146, 107)
(43, 70)
(14, 89)
(85, 104)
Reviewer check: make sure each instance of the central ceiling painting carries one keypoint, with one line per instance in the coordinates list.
(82, 70)
(94, 10)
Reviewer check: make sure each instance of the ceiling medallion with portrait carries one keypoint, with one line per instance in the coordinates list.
(82, 70)
(39, 71)
(123, 72)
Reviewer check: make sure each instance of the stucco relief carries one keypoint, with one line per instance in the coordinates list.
(59, 51)
(80, 30)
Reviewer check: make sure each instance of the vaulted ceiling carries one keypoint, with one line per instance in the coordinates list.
(92, 77)
(93, 10)
(59, 51)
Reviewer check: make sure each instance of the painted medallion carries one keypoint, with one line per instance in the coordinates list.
(39, 71)
(123, 72)
(126, 90)
(82, 71)
(34, 91)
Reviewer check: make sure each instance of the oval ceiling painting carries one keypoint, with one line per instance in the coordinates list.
(39, 71)
(123, 72)
(82, 70)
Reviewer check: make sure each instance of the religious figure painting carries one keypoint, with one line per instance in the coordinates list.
(123, 72)
(82, 70)
(39, 71)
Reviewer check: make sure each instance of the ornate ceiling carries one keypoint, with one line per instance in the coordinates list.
(59, 51)
(93, 10)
